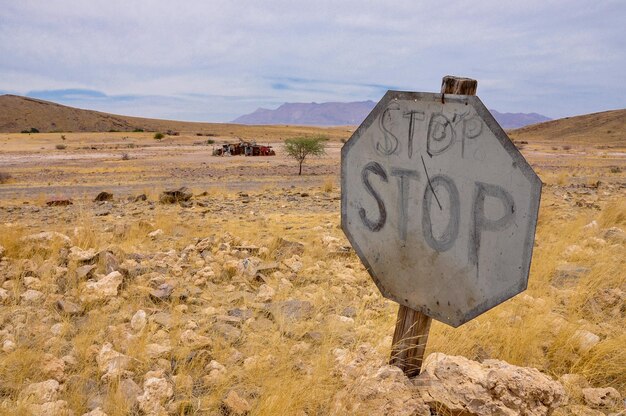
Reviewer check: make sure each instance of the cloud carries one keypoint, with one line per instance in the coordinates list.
(557, 58)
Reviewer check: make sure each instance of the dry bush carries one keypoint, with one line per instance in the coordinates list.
(5, 177)
(60, 146)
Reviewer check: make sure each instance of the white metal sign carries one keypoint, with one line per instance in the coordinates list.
(439, 204)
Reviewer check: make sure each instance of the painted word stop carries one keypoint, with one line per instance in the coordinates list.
(439, 205)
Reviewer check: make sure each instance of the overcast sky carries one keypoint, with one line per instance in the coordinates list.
(215, 60)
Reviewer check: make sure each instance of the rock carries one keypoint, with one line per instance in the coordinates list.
(349, 312)
(156, 391)
(190, 339)
(456, 385)
(48, 239)
(154, 351)
(38, 393)
(85, 271)
(577, 410)
(59, 202)
(68, 308)
(606, 398)
(102, 289)
(2, 251)
(79, 255)
(8, 346)
(103, 196)
(294, 263)
(53, 367)
(111, 263)
(155, 234)
(162, 293)
(4, 295)
(265, 294)
(55, 408)
(139, 320)
(614, 234)
(31, 297)
(286, 248)
(112, 363)
(173, 196)
(233, 404)
(584, 340)
(567, 275)
(291, 310)
(140, 197)
(130, 390)
(96, 412)
(227, 331)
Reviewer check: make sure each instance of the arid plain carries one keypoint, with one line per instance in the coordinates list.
(246, 299)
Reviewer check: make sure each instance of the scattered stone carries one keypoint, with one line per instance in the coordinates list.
(8, 346)
(286, 248)
(102, 212)
(59, 202)
(130, 391)
(68, 308)
(4, 295)
(349, 312)
(2, 251)
(156, 391)
(294, 263)
(31, 297)
(173, 196)
(155, 234)
(111, 263)
(47, 239)
(85, 271)
(456, 385)
(233, 404)
(190, 339)
(228, 332)
(291, 310)
(102, 289)
(614, 234)
(96, 412)
(139, 320)
(568, 275)
(53, 367)
(79, 255)
(39, 393)
(584, 340)
(141, 197)
(103, 196)
(112, 364)
(265, 294)
(162, 293)
(606, 398)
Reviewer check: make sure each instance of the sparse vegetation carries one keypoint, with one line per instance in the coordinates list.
(158, 136)
(32, 130)
(60, 146)
(125, 156)
(137, 130)
(210, 141)
(299, 148)
(5, 177)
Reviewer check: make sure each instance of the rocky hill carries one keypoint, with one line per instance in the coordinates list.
(607, 127)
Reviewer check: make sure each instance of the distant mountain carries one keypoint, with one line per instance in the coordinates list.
(517, 120)
(311, 114)
(341, 114)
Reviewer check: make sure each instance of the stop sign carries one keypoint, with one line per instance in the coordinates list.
(439, 204)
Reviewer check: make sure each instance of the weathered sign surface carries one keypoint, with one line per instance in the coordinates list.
(439, 204)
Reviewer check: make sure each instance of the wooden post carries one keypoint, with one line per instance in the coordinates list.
(412, 327)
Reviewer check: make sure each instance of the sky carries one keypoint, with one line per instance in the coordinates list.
(215, 60)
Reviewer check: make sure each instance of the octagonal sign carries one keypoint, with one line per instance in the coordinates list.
(439, 204)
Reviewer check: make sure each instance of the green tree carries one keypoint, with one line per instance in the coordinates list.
(301, 147)
(158, 136)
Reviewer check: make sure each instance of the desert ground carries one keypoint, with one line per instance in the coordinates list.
(246, 298)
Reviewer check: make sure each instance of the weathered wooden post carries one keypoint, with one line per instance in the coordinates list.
(412, 327)
(440, 207)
